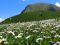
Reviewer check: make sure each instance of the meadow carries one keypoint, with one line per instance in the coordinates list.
(30, 33)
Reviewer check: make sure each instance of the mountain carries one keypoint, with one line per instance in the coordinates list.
(41, 6)
(35, 12)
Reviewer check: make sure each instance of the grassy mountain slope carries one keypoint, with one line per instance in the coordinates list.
(36, 12)
(41, 6)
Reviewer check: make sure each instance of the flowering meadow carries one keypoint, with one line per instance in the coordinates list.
(30, 33)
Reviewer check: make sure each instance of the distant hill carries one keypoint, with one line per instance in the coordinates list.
(35, 12)
(41, 6)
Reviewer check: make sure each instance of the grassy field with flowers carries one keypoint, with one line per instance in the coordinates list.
(30, 33)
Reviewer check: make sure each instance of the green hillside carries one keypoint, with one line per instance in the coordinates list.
(36, 12)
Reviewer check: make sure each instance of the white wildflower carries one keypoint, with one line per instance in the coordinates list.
(11, 32)
(2, 32)
(44, 26)
(1, 36)
(46, 37)
(57, 36)
(39, 39)
(56, 43)
(54, 27)
(35, 31)
(4, 39)
(58, 26)
(28, 37)
(6, 42)
(18, 36)
(42, 32)
(1, 40)
(53, 31)
(31, 29)
(31, 25)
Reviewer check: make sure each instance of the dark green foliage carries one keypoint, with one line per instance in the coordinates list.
(33, 16)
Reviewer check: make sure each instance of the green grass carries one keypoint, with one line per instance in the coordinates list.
(2, 27)
(31, 35)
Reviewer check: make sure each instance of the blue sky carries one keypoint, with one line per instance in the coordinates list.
(10, 8)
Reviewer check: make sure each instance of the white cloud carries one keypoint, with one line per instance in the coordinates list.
(57, 4)
(1, 19)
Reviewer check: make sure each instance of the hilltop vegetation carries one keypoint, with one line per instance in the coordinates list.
(33, 16)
